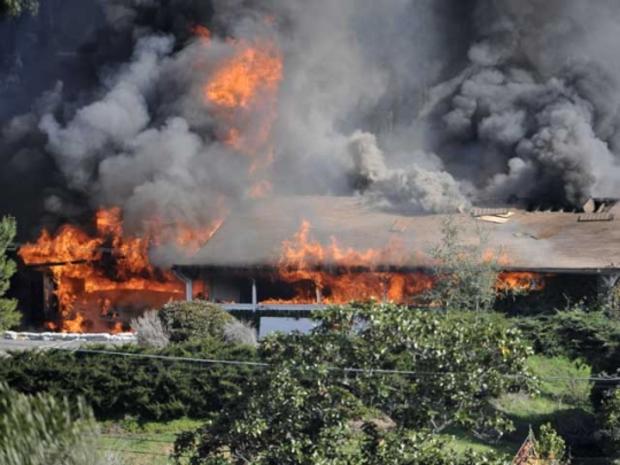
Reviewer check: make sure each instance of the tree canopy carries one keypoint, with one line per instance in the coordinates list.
(369, 385)
(18, 7)
(9, 316)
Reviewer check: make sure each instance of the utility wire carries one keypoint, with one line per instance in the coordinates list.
(368, 371)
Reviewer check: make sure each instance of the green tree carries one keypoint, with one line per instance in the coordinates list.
(9, 316)
(327, 397)
(550, 446)
(466, 279)
(43, 430)
(462, 361)
(18, 7)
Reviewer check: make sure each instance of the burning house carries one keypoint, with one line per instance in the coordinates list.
(288, 153)
(315, 250)
(299, 253)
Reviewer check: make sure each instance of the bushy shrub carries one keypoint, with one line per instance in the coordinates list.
(46, 430)
(466, 359)
(240, 332)
(197, 319)
(550, 446)
(150, 330)
(116, 386)
(610, 423)
(574, 333)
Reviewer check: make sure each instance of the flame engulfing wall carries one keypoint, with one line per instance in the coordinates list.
(94, 273)
(179, 112)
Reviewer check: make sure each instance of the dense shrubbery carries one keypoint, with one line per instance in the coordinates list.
(575, 333)
(610, 423)
(147, 388)
(591, 336)
(151, 389)
(464, 360)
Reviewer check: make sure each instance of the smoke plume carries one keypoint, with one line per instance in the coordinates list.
(416, 106)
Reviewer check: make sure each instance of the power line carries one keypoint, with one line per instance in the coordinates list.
(346, 370)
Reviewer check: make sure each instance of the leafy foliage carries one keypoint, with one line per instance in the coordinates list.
(145, 388)
(465, 278)
(18, 7)
(9, 316)
(190, 320)
(44, 430)
(575, 333)
(550, 446)
(296, 415)
(311, 407)
(610, 422)
(462, 361)
(592, 336)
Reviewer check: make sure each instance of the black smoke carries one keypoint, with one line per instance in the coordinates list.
(416, 105)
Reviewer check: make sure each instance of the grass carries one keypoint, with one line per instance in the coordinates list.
(559, 401)
(143, 444)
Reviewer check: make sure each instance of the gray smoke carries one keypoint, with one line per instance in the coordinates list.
(411, 190)
(533, 96)
(417, 106)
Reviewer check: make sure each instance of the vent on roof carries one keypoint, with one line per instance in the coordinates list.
(476, 212)
(592, 217)
(600, 205)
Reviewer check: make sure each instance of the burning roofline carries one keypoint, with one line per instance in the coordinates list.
(340, 270)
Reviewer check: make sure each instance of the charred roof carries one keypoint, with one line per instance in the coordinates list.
(252, 236)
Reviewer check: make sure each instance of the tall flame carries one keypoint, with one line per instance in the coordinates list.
(242, 92)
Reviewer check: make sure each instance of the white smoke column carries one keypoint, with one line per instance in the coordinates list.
(407, 190)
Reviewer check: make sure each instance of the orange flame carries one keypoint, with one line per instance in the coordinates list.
(202, 32)
(96, 274)
(242, 92)
(355, 273)
(520, 282)
(254, 72)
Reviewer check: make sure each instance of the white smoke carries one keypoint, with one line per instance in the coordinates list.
(410, 190)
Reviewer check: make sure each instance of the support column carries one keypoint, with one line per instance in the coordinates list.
(189, 285)
(254, 296)
(609, 291)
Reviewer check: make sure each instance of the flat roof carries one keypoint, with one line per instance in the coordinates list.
(253, 234)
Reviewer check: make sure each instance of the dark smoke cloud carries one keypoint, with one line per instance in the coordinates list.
(418, 106)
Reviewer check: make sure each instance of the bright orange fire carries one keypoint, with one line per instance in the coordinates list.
(242, 92)
(520, 282)
(334, 274)
(96, 276)
(255, 71)
(352, 274)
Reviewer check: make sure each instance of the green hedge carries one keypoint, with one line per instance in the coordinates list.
(591, 336)
(149, 389)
